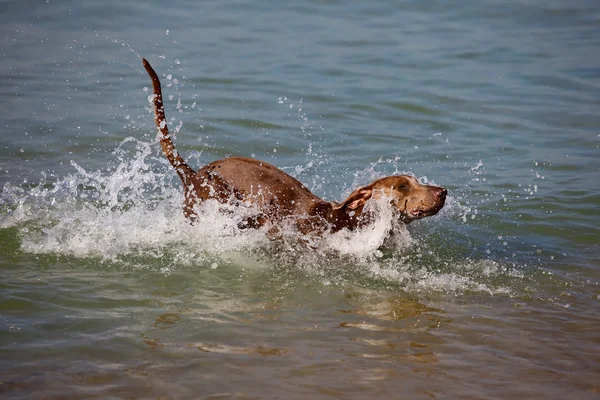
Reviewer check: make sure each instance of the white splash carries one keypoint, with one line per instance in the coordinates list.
(366, 241)
(134, 209)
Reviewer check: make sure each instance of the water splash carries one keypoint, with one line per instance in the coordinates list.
(132, 210)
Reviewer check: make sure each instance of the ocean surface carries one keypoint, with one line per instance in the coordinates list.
(106, 292)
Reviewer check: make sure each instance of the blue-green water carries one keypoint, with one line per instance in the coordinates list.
(106, 291)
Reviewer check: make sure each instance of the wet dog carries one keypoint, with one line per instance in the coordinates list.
(279, 198)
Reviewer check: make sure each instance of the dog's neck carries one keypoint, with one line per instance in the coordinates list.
(348, 214)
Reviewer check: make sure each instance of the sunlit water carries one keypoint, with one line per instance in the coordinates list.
(106, 291)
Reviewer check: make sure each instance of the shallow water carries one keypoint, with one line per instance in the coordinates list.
(107, 292)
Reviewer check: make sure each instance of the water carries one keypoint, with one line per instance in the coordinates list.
(107, 292)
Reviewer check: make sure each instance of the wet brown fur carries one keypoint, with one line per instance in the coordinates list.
(279, 197)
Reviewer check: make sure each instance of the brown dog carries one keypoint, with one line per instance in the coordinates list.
(278, 197)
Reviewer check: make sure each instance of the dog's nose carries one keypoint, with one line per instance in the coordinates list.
(440, 192)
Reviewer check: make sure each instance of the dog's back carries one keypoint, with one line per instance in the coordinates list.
(255, 183)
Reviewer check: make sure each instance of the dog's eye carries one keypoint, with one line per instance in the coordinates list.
(403, 187)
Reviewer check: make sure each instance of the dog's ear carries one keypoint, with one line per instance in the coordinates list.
(357, 199)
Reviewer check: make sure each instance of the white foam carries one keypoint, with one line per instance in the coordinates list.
(366, 241)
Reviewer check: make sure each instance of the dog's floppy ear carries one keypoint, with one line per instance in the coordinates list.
(357, 199)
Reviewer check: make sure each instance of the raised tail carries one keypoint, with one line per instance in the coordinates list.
(183, 170)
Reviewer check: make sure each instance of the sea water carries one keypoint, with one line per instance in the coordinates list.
(107, 291)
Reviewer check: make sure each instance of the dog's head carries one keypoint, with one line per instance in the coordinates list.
(410, 199)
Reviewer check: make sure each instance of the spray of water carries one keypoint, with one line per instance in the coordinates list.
(133, 211)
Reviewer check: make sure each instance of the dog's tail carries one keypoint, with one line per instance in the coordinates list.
(183, 170)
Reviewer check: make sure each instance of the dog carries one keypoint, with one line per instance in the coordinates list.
(279, 198)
